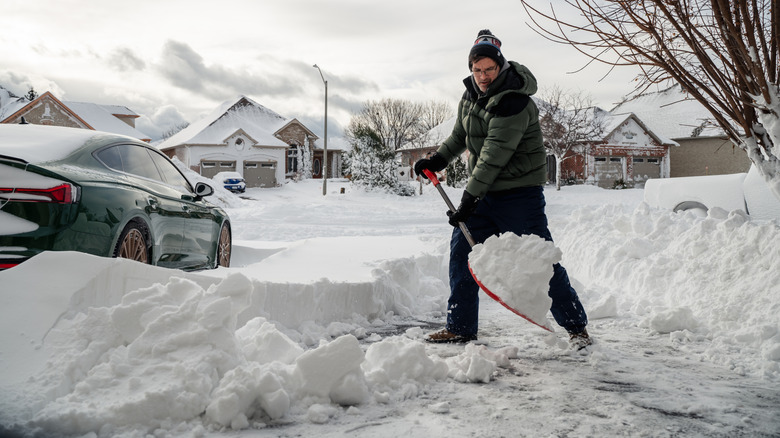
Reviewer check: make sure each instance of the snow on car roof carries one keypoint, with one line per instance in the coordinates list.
(38, 143)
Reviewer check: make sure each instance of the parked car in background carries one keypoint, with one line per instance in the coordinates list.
(232, 181)
(748, 192)
(66, 189)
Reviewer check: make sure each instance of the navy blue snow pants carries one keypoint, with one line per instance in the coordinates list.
(520, 211)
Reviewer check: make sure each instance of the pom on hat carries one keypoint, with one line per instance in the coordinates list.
(486, 45)
(485, 36)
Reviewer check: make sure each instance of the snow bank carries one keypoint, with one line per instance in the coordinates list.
(207, 349)
(517, 269)
(711, 283)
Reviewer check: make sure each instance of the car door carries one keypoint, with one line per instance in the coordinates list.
(200, 225)
(161, 202)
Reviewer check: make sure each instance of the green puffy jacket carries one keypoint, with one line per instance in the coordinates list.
(501, 131)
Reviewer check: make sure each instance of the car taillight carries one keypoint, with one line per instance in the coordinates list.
(62, 194)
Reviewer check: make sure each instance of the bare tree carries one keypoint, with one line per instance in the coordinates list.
(568, 120)
(433, 114)
(395, 121)
(723, 53)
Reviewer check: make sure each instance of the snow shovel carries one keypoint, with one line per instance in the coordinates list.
(431, 176)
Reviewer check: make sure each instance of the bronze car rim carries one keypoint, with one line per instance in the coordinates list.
(134, 247)
(224, 247)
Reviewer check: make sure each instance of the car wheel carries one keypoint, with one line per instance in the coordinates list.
(224, 246)
(132, 243)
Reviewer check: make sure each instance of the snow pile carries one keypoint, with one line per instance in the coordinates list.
(517, 269)
(711, 283)
(168, 353)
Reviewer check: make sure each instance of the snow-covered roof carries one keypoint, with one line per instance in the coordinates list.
(120, 110)
(102, 118)
(614, 121)
(10, 103)
(257, 121)
(671, 113)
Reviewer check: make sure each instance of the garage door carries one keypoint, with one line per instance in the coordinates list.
(608, 170)
(209, 168)
(646, 168)
(260, 173)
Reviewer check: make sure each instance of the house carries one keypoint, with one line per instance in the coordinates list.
(704, 148)
(46, 109)
(426, 146)
(243, 136)
(629, 153)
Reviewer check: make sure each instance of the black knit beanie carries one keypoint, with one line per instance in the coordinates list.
(486, 45)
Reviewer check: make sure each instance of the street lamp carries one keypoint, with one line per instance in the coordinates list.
(325, 148)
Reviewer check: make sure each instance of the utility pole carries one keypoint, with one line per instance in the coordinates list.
(325, 148)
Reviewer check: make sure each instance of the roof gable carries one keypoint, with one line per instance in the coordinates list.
(257, 121)
(629, 130)
(48, 110)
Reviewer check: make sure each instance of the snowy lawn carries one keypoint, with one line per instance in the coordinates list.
(317, 328)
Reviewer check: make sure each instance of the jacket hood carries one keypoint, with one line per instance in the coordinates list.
(529, 86)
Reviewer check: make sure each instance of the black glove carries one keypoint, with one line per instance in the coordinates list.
(468, 203)
(435, 163)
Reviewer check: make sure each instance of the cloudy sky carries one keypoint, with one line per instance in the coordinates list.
(175, 60)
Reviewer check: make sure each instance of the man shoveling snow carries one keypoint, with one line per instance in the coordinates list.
(498, 123)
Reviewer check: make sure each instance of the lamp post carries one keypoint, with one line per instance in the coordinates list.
(325, 148)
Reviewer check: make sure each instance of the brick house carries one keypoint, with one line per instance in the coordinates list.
(630, 152)
(46, 109)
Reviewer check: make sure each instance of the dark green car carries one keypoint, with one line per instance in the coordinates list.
(66, 189)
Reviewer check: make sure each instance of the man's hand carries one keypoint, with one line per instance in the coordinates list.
(468, 203)
(435, 163)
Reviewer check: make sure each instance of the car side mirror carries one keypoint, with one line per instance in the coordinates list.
(202, 190)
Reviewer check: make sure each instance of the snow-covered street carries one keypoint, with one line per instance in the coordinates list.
(316, 329)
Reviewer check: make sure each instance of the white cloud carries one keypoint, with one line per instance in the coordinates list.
(196, 54)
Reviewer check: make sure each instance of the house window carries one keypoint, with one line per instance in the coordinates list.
(652, 160)
(615, 160)
(601, 160)
(208, 164)
(227, 164)
(250, 165)
(239, 144)
(639, 160)
(292, 158)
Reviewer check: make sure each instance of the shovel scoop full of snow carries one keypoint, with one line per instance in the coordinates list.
(515, 271)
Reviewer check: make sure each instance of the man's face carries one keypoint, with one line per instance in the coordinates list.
(485, 71)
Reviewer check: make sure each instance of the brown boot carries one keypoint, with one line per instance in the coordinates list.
(447, 337)
(580, 340)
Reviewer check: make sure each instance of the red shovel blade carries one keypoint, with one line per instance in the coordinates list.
(500, 301)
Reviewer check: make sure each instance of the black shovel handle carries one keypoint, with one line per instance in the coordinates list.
(431, 176)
